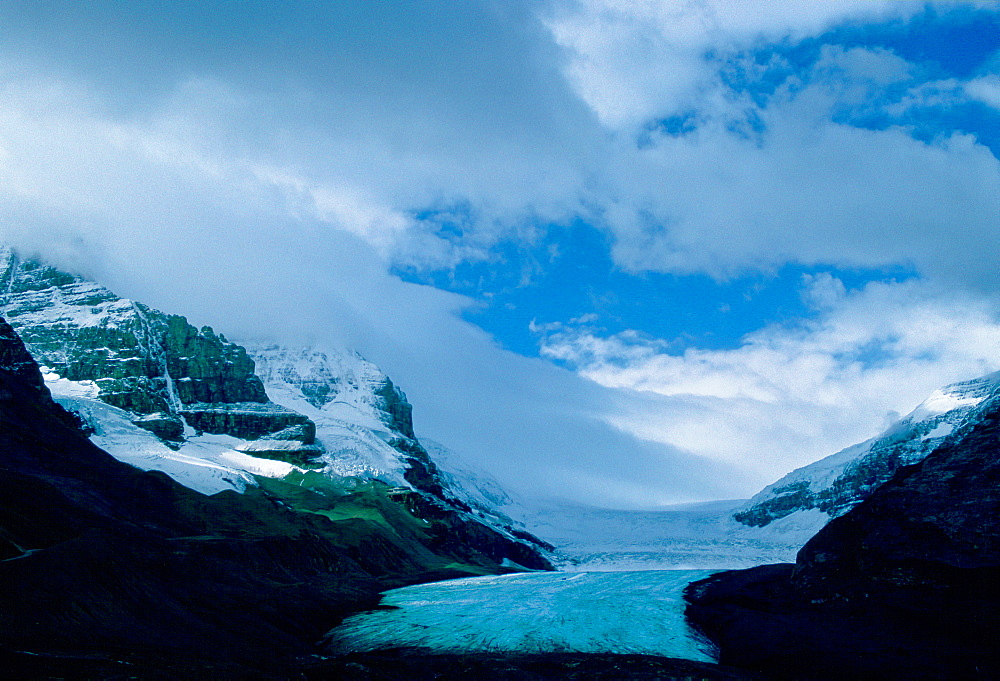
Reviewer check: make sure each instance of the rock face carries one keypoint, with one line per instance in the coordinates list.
(17, 364)
(112, 571)
(839, 482)
(292, 451)
(142, 360)
(905, 585)
(245, 420)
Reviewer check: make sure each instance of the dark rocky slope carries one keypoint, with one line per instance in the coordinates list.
(107, 569)
(904, 586)
(406, 663)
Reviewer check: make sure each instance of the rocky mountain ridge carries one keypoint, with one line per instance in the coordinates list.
(155, 365)
(162, 395)
(837, 483)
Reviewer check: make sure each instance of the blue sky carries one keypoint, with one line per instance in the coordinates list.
(568, 272)
(628, 253)
(570, 275)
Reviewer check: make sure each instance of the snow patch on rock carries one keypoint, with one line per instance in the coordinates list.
(205, 463)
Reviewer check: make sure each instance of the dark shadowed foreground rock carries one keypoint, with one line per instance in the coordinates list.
(904, 586)
(404, 663)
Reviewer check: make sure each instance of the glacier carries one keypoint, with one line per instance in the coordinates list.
(611, 612)
(684, 536)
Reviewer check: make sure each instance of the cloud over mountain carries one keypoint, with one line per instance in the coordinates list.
(268, 169)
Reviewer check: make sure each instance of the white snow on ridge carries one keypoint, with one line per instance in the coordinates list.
(349, 424)
(819, 474)
(907, 441)
(207, 463)
(950, 398)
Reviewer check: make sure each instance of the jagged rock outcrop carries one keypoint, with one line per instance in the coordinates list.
(17, 364)
(165, 426)
(292, 451)
(395, 405)
(245, 420)
(906, 585)
(839, 482)
(142, 360)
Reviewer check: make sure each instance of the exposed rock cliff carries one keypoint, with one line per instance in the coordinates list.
(142, 360)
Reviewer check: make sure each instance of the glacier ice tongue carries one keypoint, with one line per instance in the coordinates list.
(611, 612)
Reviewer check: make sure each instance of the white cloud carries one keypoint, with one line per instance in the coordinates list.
(809, 189)
(633, 61)
(792, 178)
(164, 211)
(722, 199)
(793, 393)
(985, 90)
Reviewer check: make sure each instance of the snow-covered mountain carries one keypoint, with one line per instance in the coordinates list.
(358, 412)
(214, 415)
(832, 486)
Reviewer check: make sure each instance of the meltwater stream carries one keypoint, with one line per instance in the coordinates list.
(616, 612)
